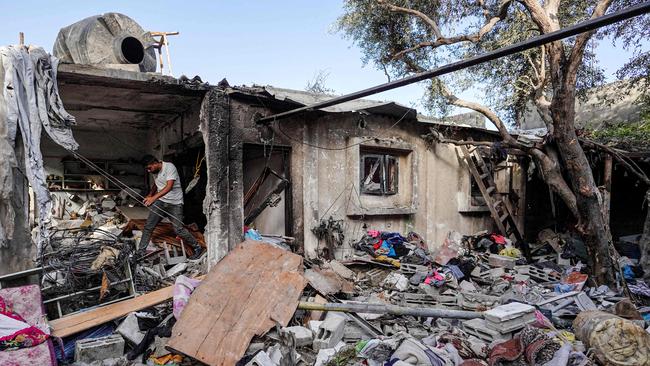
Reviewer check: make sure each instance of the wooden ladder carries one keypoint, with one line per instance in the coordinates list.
(499, 204)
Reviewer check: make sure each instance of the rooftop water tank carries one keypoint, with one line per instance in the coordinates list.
(112, 38)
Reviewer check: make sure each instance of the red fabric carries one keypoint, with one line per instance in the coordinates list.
(378, 244)
(499, 239)
(26, 337)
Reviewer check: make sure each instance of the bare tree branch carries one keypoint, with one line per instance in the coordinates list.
(398, 9)
(440, 39)
(487, 112)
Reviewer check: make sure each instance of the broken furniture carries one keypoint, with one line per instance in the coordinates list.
(86, 267)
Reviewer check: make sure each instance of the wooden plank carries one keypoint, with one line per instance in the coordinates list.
(76, 323)
(245, 294)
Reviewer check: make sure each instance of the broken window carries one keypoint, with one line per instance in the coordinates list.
(379, 174)
(476, 196)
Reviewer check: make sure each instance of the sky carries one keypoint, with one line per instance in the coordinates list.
(280, 43)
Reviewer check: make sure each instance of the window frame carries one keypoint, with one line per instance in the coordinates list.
(383, 158)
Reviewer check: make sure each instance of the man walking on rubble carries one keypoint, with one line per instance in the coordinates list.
(165, 200)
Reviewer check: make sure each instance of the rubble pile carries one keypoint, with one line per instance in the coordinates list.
(476, 300)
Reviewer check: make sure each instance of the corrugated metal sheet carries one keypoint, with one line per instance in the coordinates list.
(370, 106)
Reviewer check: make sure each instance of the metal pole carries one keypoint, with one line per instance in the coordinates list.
(573, 30)
(390, 309)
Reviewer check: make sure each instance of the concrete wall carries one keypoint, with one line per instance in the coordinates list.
(434, 187)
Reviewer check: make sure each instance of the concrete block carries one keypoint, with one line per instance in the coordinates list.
(409, 269)
(476, 301)
(97, 349)
(512, 325)
(302, 335)
(130, 330)
(478, 328)
(261, 359)
(537, 274)
(496, 260)
(330, 332)
(508, 311)
(417, 300)
(496, 273)
(314, 325)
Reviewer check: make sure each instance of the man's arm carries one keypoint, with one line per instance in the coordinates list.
(148, 201)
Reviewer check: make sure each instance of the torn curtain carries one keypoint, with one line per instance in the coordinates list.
(29, 103)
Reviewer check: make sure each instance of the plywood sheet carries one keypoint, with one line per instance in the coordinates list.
(76, 323)
(252, 288)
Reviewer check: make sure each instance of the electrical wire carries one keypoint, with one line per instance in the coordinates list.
(382, 135)
(162, 213)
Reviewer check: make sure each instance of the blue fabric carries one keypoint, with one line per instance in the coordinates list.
(252, 234)
(391, 251)
(455, 271)
(69, 342)
(628, 273)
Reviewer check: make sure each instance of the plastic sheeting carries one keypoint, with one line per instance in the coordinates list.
(29, 102)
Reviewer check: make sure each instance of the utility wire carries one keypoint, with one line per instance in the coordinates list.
(382, 135)
(162, 213)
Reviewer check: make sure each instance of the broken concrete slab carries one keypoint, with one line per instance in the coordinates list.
(508, 311)
(302, 336)
(130, 330)
(496, 260)
(261, 359)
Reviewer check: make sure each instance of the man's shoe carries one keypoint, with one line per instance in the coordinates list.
(198, 253)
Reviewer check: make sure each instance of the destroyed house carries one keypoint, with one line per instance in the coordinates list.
(360, 165)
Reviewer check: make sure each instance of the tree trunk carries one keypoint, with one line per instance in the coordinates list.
(583, 185)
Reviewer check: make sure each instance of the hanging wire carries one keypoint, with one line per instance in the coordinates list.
(129, 191)
(382, 135)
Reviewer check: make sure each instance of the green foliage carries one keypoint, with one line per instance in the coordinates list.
(344, 357)
(632, 136)
(382, 34)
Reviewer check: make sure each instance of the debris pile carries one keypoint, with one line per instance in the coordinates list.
(476, 300)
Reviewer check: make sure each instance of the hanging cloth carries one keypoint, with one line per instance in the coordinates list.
(31, 103)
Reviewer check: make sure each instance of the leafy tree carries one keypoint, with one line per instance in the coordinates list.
(403, 37)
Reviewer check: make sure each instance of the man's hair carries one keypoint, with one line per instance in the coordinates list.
(148, 159)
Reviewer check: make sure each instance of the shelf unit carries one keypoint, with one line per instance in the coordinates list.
(79, 177)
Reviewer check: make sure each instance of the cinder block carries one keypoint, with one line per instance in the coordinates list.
(508, 311)
(98, 349)
(261, 359)
(417, 300)
(302, 335)
(496, 260)
(512, 325)
(537, 274)
(409, 269)
(478, 328)
(330, 332)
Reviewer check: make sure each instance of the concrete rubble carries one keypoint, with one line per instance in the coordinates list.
(415, 312)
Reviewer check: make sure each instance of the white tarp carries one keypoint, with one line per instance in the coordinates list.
(29, 102)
